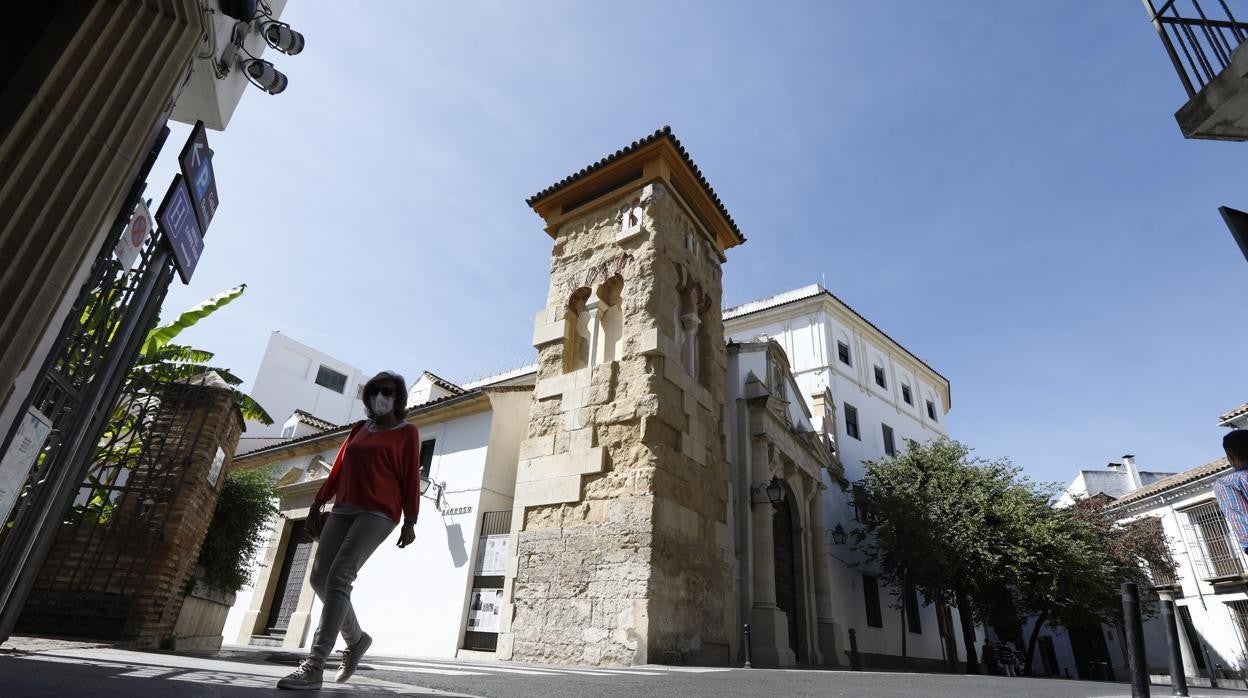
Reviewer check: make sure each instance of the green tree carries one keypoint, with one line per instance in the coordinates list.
(244, 510)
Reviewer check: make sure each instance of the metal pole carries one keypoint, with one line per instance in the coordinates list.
(1178, 681)
(1133, 624)
(855, 662)
(747, 645)
(26, 563)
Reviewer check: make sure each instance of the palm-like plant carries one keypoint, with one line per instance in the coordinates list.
(160, 362)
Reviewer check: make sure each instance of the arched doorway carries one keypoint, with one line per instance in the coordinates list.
(784, 530)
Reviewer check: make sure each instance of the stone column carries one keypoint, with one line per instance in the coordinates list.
(827, 631)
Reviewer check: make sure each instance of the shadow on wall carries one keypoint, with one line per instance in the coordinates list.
(455, 543)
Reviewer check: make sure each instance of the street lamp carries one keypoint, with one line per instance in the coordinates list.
(774, 490)
(439, 487)
(838, 535)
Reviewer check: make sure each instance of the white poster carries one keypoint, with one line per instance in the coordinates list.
(214, 471)
(483, 612)
(492, 555)
(20, 458)
(134, 236)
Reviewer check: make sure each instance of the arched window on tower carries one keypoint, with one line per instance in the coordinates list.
(687, 330)
(610, 320)
(577, 331)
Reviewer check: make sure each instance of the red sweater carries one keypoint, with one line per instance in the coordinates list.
(377, 470)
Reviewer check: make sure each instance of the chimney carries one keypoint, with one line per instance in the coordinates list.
(1133, 474)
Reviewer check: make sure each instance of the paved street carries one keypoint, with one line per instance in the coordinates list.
(52, 669)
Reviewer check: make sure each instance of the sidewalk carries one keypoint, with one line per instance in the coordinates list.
(32, 667)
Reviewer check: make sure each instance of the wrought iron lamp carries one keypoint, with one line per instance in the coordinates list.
(838, 535)
(439, 487)
(774, 490)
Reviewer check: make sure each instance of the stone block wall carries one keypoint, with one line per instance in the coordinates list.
(622, 553)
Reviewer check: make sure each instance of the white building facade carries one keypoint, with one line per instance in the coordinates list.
(867, 396)
(438, 596)
(294, 376)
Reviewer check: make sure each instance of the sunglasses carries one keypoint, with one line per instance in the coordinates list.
(383, 390)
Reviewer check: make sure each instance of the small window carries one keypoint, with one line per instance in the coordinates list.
(851, 421)
(879, 377)
(359, 392)
(931, 410)
(327, 377)
(426, 457)
(913, 622)
(889, 446)
(842, 351)
(288, 431)
(871, 595)
(905, 394)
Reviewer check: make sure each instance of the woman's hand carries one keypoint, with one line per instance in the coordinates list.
(407, 534)
(315, 521)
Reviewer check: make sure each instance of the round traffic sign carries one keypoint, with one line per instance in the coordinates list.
(138, 229)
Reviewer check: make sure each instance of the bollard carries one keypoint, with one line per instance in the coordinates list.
(1178, 682)
(855, 662)
(747, 645)
(1133, 626)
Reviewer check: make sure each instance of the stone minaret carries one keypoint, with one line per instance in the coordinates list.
(621, 550)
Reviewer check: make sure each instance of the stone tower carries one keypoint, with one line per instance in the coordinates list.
(621, 550)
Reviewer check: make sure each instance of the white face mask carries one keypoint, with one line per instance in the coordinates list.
(381, 405)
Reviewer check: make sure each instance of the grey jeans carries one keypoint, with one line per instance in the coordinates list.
(347, 541)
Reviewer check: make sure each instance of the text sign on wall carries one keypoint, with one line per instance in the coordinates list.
(484, 611)
(24, 450)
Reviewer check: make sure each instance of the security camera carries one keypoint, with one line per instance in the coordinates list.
(280, 36)
(263, 75)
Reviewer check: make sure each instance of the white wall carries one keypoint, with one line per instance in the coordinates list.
(286, 381)
(809, 333)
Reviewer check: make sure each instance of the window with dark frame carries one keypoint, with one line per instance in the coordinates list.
(842, 352)
(851, 421)
(426, 457)
(931, 410)
(890, 447)
(327, 377)
(879, 377)
(913, 622)
(858, 497)
(871, 596)
(905, 394)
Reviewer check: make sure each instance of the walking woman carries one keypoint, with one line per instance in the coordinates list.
(375, 481)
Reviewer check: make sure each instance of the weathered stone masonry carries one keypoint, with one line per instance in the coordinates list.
(622, 553)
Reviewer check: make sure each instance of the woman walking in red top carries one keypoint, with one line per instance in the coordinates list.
(374, 481)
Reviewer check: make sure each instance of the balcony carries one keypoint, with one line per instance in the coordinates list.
(1204, 41)
(1217, 556)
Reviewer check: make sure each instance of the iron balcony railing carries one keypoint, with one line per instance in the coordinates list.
(1199, 36)
(1211, 543)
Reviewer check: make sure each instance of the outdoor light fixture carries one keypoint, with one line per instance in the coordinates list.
(774, 490)
(262, 74)
(838, 535)
(439, 487)
(281, 37)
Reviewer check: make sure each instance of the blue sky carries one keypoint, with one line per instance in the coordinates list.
(1000, 186)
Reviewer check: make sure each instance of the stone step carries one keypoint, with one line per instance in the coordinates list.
(267, 640)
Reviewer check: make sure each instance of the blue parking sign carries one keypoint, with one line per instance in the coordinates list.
(181, 227)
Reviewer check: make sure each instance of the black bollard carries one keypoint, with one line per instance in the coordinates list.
(1178, 681)
(855, 662)
(747, 645)
(1133, 625)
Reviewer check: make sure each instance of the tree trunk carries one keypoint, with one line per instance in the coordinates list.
(1031, 642)
(968, 630)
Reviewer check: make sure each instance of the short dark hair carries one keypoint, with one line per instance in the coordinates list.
(400, 391)
(1236, 445)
